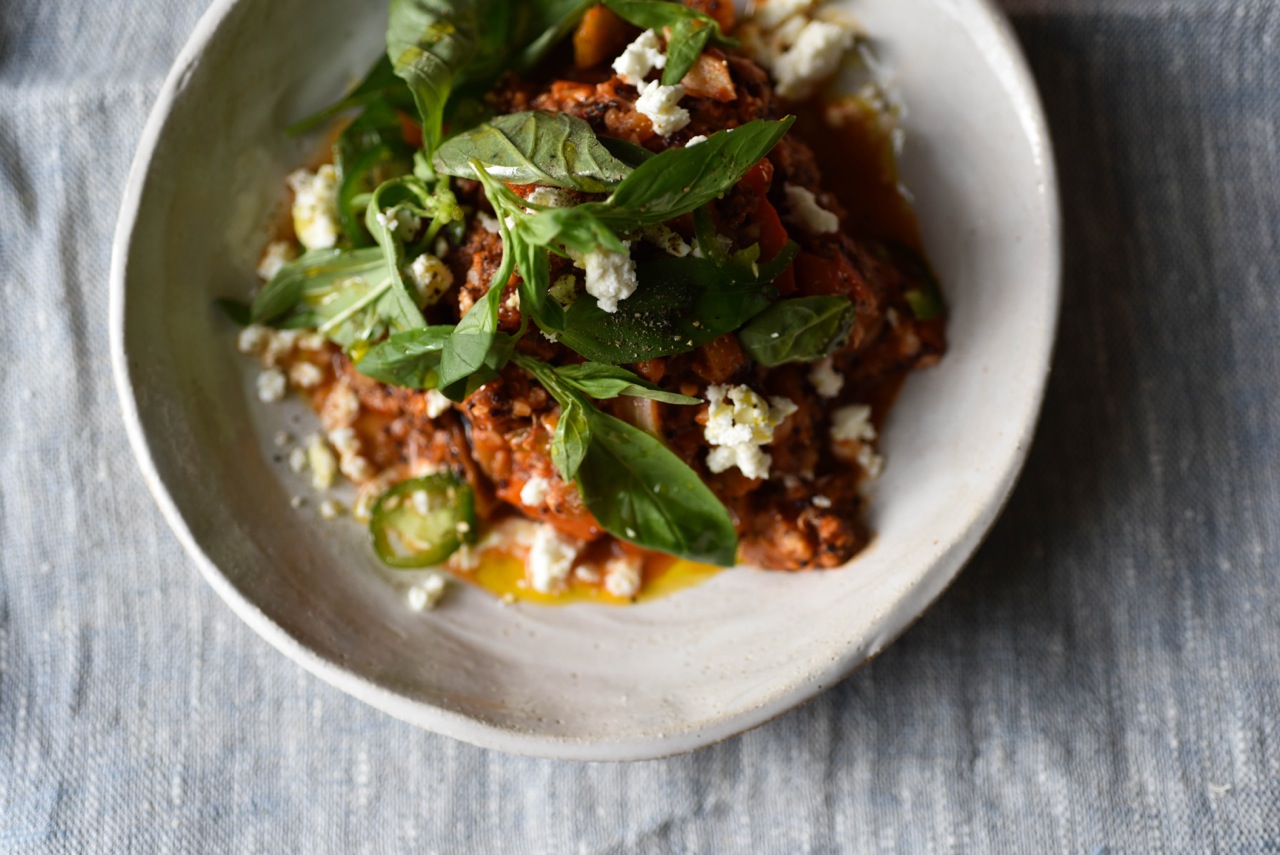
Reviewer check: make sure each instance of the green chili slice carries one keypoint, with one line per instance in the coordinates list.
(421, 522)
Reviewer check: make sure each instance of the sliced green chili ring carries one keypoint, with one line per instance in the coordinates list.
(421, 522)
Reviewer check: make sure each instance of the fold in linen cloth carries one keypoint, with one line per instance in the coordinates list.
(1104, 677)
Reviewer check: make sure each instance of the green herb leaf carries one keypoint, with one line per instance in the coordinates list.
(602, 381)
(554, 149)
(452, 51)
(924, 297)
(639, 491)
(239, 313)
(380, 85)
(635, 487)
(410, 359)
(369, 151)
(314, 275)
(628, 152)
(680, 304)
(681, 180)
(689, 31)
(570, 441)
(802, 329)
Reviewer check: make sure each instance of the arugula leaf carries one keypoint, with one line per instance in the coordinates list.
(681, 180)
(410, 359)
(802, 329)
(681, 304)
(689, 31)
(554, 149)
(635, 487)
(380, 85)
(313, 275)
(602, 381)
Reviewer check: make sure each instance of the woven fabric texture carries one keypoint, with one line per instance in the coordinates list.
(1104, 677)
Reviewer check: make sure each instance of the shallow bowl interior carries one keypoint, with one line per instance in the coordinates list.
(581, 682)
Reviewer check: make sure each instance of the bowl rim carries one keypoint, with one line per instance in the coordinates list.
(932, 583)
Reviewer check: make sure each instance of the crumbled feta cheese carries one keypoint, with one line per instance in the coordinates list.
(611, 276)
(253, 339)
(825, 379)
(804, 210)
(357, 469)
(340, 408)
(814, 57)
(322, 462)
(431, 277)
(698, 140)
(852, 424)
(330, 509)
(313, 342)
(551, 557)
(488, 222)
(513, 301)
(550, 197)
(427, 593)
(399, 220)
(315, 206)
(821, 502)
(297, 502)
(437, 404)
(271, 385)
(737, 430)
(279, 345)
(639, 58)
(667, 239)
(277, 254)
(305, 375)
(662, 105)
(345, 441)
(586, 573)
(534, 492)
(770, 13)
(622, 576)
(282, 438)
(297, 460)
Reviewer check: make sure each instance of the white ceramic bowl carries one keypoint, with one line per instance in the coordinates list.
(582, 682)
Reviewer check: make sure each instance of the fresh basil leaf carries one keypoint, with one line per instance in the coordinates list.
(239, 313)
(641, 492)
(634, 486)
(628, 152)
(313, 275)
(802, 329)
(380, 85)
(400, 307)
(680, 304)
(451, 52)
(554, 149)
(410, 359)
(688, 31)
(602, 381)
(571, 438)
(369, 151)
(681, 180)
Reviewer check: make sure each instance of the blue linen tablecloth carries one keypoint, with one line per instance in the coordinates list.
(1104, 678)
